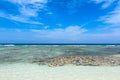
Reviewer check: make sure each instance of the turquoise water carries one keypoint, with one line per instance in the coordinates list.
(26, 53)
(15, 62)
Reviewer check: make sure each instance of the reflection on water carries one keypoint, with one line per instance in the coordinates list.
(26, 53)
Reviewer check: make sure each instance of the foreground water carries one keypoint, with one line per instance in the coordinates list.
(15, 62)
(26, 53)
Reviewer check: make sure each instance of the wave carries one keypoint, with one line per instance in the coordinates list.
(9, 45)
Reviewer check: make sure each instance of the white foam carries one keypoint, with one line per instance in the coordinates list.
(9, 45)
(116, 55)
(37, 72)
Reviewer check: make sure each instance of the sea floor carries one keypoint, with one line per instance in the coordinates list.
(26, 71)
(19, 62)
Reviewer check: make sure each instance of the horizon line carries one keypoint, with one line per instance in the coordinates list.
(59, 43)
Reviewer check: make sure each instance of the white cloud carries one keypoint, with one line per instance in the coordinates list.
(27, 1)
(76, 34)
(32, 10)
(112, 17)
(27, 9)
(105, 3)
(19, 18)
(71, 34)
(59, 25)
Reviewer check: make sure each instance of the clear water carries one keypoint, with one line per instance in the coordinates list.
(26, 53)
(15, 62)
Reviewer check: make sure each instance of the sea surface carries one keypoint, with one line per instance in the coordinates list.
(15, 62)
(26, 53)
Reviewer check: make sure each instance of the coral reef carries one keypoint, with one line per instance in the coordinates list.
(80, 60)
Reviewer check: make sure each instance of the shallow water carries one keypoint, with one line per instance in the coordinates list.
(26, 53)
(15, 62)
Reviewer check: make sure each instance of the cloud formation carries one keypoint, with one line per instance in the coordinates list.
(113, 17)
(19, 18)
(71, 34)
(27, 9)
(105, 3)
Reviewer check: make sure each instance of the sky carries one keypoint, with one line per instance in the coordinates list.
(59, 21)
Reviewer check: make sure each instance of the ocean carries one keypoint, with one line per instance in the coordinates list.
(17, 62)
(17, 53)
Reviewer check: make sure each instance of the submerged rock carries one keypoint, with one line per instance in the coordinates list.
(83, 60)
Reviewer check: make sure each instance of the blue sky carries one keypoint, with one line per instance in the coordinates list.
(59, 21)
